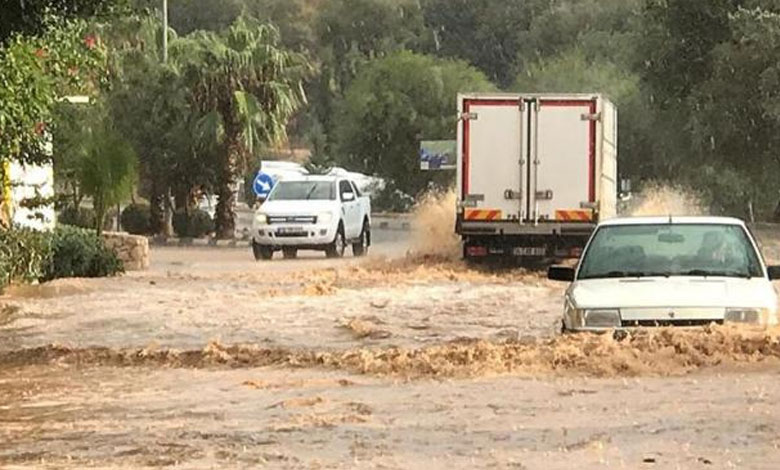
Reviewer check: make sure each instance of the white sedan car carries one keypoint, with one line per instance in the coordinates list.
(668, 271)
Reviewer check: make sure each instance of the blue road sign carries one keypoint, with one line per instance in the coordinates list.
(263, 184)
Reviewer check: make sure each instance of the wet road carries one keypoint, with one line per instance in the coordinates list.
(361, 364)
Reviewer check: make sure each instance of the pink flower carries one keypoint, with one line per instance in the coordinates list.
(90, 41)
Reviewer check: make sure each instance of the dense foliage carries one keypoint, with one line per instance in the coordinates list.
(391, 104)
(77, 252)
(136, 219)
(696, 84)
(23, 255)
(28, 255)
(193, 224)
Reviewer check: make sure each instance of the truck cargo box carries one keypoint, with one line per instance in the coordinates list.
(539, 166)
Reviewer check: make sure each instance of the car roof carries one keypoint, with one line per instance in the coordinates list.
(674, 220)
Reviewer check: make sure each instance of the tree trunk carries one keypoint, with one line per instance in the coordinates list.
(100, 214)
(156, 208)
(225, 216)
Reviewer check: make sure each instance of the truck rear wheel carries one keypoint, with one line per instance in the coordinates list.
(360, 248)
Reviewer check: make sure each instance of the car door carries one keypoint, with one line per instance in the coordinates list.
(348, 208)
(360, 208)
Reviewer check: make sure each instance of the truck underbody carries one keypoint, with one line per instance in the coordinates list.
(526, 245)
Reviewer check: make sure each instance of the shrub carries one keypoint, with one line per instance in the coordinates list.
(195, 225)
(77, 252)
(23, 255)
(83, 217)
(136, 219)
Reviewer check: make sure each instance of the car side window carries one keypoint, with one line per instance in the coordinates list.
(344, 187)
(356, 189)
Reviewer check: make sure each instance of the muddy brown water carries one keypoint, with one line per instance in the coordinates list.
(210, 360)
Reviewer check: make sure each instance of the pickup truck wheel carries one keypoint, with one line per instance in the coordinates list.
(262, 252)
(290, 253)
(360, 248)
(338, 245)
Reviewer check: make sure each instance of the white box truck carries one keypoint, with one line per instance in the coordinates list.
(535, 174)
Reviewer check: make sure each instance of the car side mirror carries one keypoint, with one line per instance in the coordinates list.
(774, 273)
(347, 197)
(560, 273)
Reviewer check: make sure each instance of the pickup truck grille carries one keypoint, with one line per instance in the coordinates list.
(292, 219)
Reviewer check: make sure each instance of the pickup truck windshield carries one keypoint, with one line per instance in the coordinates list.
(303, 191)
(670, 250)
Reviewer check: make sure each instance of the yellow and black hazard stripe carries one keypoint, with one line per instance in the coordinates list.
(578, 215)
(482, 214)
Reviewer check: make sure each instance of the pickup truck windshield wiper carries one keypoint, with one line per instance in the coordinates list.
(706, 273)
(311, 191)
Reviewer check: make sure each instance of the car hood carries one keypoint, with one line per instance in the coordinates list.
(673, 292)
(312, 207)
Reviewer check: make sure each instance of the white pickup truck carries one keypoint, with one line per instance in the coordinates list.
(322, 213)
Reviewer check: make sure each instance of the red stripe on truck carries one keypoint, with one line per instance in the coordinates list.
(466, 144)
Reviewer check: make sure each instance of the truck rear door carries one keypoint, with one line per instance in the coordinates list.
(562, 184)
(492, 137)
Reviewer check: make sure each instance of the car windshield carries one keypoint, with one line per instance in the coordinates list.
(304, 190)
(670, 250)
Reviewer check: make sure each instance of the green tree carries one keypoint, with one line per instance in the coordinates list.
(33, 18)
(736, 124)
(35, 73)
(243, 69)
(486, 33)
(573, 72)
(106, 169)
(393, 104)
(151, 104)
(349, 34)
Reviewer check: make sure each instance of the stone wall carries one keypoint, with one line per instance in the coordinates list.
(133, 250)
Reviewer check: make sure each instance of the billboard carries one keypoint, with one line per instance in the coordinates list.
(438, 154)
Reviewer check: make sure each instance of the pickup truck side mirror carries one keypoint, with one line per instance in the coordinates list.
(774, 273)
(560, 273)
(347, 197)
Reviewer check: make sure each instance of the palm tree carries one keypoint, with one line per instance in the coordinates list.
(247, 87)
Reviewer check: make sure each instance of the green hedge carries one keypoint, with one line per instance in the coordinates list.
(195, 225)
(77, 252)
(28, 255)
(137, 219)
(83, 217)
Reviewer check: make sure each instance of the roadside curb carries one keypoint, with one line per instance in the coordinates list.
(396, 222)
(198, 242)
(390, 222)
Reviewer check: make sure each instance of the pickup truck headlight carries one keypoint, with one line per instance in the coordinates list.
(744, 315)
(325, 217)
(602, 318)
(261, 219)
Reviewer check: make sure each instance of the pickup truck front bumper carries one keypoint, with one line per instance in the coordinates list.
(294, 235)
